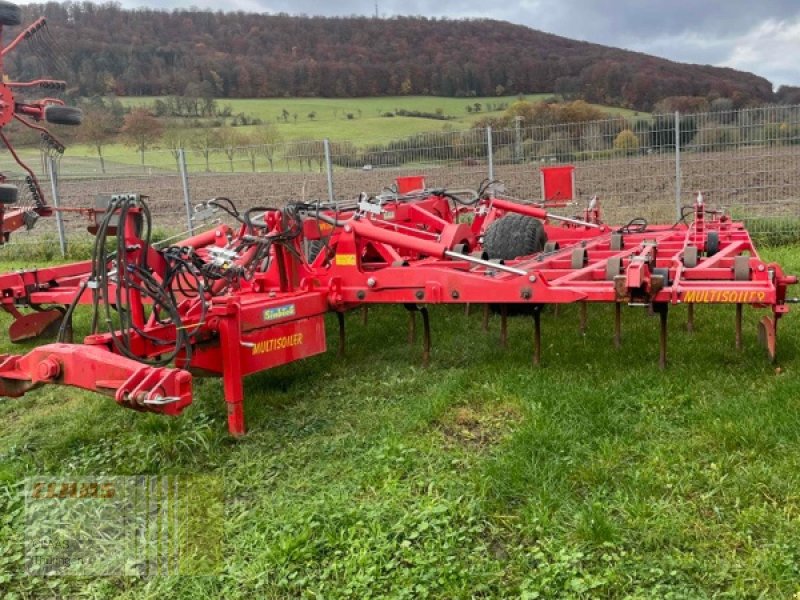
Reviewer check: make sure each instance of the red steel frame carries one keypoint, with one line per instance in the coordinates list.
(28, 114)
(415, 251)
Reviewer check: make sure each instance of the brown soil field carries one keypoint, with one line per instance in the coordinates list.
(751, 182)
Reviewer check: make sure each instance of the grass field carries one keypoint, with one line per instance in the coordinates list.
(367, 125)
(594, 476)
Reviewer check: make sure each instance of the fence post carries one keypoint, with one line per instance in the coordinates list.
(490, 152)
(677, 165)
(187, 198)
(53, 172)
(517, 139)
(326, 143)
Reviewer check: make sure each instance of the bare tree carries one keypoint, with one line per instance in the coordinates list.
(264, 140)
(205, 141)
(141, 130)
(175, 139)
(231, 143)
(98, 130)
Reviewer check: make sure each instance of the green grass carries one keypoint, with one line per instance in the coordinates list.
(367, 125)
(594, 476)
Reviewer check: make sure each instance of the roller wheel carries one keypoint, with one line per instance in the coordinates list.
(664, 273)
(551, 247)
(741, 268)
(8, 193)
(617, 241)
(613, 268)
(579, 258)
(712, 243)
(690, 257)
(10, 14)
(63, 115)
(514, 236)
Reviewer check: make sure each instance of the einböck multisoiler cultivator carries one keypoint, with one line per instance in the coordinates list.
(240, 299)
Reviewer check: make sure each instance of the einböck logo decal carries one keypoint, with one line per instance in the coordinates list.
(279, 312)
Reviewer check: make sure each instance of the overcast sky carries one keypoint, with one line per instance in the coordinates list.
(760, 36)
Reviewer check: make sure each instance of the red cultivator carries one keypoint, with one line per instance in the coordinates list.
(13, 109)
(238, 300)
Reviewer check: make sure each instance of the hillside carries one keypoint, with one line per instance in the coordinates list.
(104, 49)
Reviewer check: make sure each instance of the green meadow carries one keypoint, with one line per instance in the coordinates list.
(596, 475)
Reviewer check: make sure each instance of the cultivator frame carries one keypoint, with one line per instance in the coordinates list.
(238, 300)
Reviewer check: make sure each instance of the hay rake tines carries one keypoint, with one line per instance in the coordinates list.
(231, 302)
(13, 108)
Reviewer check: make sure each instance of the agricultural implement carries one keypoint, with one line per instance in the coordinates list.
(22, 207)
(252, 295)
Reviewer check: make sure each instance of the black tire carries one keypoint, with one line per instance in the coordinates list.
(63, 115)
(8, 193)
(10, 14)
(513, 236)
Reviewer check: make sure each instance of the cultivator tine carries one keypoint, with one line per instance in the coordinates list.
(466, 309)
(340, 318)
(617, 325)
(690, 319)
(537, 335)
(767, 329)
(661, 309)
(584, 317)
(365, 315)
(504, 326)
(486, 311)
(412, 326)
(426, 336)
(738, 326)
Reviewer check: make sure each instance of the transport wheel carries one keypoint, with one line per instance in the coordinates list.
(514, 236)
(617, 241)
(741, 268)
(63, 115)
(712, 243)
(613, 268)
(8, 193)
(10, 14)
(690, 257)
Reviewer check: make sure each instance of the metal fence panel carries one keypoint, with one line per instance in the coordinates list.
(746, 161)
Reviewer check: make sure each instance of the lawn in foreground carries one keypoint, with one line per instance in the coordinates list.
(596, 475)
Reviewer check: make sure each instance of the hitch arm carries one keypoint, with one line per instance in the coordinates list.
(94, 368)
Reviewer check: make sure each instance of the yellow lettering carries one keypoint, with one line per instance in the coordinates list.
(279, 343)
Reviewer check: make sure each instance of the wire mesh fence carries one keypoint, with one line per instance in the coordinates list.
(746, 161)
